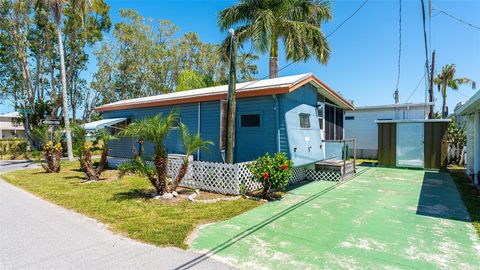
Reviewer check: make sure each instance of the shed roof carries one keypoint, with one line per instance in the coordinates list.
(472, 105)
(11, 115)
(393, 106)
(279, 85)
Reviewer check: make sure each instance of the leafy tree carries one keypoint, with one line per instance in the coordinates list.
(154, 130)
(296, 22)
(446, 78)
(190, 79)
(83, 149)
(191, 143)
(144, 58)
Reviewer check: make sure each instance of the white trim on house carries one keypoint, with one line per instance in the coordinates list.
(393, 106)
(471, 111)
(413, 121)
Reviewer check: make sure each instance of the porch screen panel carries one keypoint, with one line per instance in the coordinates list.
(339, 124)
(329, 122)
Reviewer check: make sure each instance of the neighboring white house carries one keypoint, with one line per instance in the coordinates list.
(360, 123)
(10, 127)
(471, 111)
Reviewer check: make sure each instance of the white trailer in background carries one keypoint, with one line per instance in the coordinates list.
(360, 123)
(471, 111)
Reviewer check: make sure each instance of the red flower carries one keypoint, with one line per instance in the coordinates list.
(284, 167)
(265, 175)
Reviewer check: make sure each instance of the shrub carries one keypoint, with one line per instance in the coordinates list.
(53, 154)
(272, 173)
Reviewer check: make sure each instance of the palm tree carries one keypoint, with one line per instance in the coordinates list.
(446, 78)
(191, 143)
(264, 22)
(56, 7)
(83, 149)
(155, 130)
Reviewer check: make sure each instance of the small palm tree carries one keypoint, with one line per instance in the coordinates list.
(155, 130)
(83, 149)
(446, 78)
(264, 22)
(191, 143)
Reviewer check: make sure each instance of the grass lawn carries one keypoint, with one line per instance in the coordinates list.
(469, 193)
(124, 206)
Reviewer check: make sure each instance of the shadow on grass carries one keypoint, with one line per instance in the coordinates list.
(132, 194)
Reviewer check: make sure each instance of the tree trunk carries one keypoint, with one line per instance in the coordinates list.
(103, 161)
(64, 94)
(181, 174)
(87, 165)
(273, 64)
(160, 161)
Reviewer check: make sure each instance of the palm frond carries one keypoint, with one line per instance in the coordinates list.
(193, 142)
(137, 166)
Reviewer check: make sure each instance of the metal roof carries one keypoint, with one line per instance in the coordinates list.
(246, 89)
(394, 106)
(11, 115)
(96, 125)
(472, 105)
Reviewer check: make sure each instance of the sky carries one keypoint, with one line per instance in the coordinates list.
(363, 62)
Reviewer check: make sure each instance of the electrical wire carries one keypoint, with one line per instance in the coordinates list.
(455, 18)
(414, 90)
(326, 37)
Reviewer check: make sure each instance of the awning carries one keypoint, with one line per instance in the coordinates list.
(96, 125)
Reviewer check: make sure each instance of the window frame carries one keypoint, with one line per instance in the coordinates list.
(300, 115)
(250, 113)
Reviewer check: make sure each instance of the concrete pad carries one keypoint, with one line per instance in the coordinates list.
(384, 218)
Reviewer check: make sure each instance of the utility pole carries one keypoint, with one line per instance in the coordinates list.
(231, 103)
(430, 87)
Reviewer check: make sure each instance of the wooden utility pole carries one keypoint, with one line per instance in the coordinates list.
(231, 103)
(430, 87)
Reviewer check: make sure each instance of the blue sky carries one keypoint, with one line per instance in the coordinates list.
(363, 63)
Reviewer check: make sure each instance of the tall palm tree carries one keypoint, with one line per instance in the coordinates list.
(155, 130)
(191, 143)
(446, 78)
(296, 22)
(56, 7)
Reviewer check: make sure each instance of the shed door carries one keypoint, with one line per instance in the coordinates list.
(410, 146)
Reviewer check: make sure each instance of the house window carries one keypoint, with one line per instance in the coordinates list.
(250, 120)
(349, 117)
(320, 114)
(304, 120)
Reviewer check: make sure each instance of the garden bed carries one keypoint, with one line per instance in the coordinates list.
(126, 206)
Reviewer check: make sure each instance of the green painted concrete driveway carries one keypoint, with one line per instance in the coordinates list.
(382, 219)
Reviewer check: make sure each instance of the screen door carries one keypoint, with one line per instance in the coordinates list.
(410, 144)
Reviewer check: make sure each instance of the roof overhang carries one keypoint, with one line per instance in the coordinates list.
(196, 96)
(414, 121)
(96, 125)
(472, 105)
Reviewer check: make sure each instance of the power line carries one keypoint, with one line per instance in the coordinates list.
(344, 21)
(326, 37)
(455, 18)
(414, 90)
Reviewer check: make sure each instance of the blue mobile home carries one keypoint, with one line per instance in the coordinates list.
(293, 114)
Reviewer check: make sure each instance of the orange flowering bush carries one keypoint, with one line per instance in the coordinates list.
(272, 173)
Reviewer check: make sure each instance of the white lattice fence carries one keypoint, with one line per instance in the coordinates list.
(245, 178)
(213, 176)
(313, 175)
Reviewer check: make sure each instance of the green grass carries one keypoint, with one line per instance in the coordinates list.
(469, 193)
(124, 206)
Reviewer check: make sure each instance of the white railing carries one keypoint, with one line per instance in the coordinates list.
(231, 179)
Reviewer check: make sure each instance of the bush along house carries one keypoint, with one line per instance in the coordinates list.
(292, 114)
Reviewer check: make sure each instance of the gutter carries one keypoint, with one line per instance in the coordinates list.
(277, 120)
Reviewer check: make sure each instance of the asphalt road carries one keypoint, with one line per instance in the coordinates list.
(35, 234)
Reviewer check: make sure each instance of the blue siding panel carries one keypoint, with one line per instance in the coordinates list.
(252, 142)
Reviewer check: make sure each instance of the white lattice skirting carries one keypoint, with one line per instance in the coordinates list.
(232, 179)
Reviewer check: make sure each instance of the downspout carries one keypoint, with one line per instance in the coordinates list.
(198, 126)
(277, 121)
